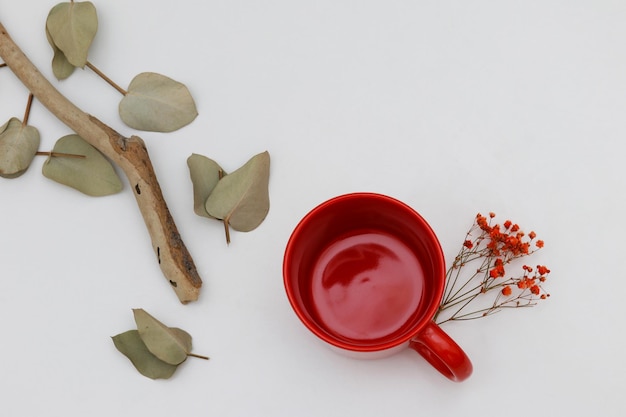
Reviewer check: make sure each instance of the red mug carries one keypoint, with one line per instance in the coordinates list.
(366, 274)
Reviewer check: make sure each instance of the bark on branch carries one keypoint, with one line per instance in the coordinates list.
(131, 155)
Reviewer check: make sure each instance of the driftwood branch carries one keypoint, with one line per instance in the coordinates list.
(131, 155)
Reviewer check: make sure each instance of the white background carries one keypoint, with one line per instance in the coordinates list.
(455, 107)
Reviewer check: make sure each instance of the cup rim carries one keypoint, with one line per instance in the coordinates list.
(437, 291)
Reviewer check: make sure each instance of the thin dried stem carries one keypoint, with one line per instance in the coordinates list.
(193, 355)
(227, 230)
(29, 104)
(483, 267)
(60, 154)
(105, 78)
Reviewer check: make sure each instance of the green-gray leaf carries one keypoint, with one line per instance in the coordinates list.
(170, 345)
(157, 103)
(205, 174)
(241, 198)
(131, 345)
(93, 175)
(61, 67)
(18, 146)
(72, 28)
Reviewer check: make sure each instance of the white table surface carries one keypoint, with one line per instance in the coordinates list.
(454, 107)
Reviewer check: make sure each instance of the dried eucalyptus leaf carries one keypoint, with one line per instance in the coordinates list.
(157, 103)
(18, 146)
(61, 67)
(241, 198)
(131, 345)
(205, 174)
(72, 28)
(93, 175)
(184, 337)
(170, 345)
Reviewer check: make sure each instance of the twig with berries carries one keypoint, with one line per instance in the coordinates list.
(487, 252)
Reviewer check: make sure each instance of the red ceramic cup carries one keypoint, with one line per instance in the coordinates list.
(366, 273)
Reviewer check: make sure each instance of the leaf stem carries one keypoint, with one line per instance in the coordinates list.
(105, 78)
(29, 105)
(60, 154)
(193, 355)
(227, 230)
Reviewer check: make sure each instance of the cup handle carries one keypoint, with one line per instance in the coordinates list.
(442, 352)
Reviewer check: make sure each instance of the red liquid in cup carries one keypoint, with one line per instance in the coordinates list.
(366, 285)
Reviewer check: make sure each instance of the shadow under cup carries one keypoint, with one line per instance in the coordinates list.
(366, 273)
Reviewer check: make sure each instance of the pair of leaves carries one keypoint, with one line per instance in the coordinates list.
(154, 349)
(83, 168)
(152, 102)
(71, 28)
(18, 147)
(72, 162)
(240, 199)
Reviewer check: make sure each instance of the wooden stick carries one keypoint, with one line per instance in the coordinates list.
(131, 155)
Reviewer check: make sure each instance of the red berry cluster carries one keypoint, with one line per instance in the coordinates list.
(492, 247)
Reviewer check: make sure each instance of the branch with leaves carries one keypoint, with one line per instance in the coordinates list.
(128, 153)
(152, 102)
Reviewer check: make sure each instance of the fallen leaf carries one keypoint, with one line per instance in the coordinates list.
(72, 28)
(93, 175)
(241, 199)
(170, 345)
(157, 103)
(205, 173)
(18, 146)
(155, 349)
(133, 347)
